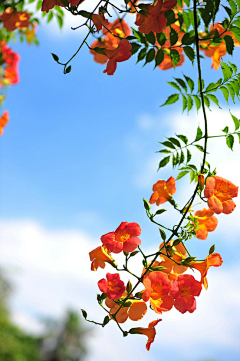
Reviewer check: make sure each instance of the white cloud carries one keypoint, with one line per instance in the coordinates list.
(51, 270)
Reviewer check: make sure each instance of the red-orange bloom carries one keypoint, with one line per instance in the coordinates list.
(150, 332)
(157, 287)
(207, 223)
(178, 254)
(163, 191)
(49, 4)
(220, 192)
(99, 21)
(167, 61)
(99, 256)
(155, 19)
(13, 20)
(213, 259)
(121, 53)
(135, 312)
(113, 286)
(119, 27)
(3, 121)
(123, 239)
(183, 291)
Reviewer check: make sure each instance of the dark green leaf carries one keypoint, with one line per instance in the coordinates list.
(55, 57)
(229, 44)
(68, 69)
(190, 102)
(187, 39)
(212, 249)
(183, 138)
(170, 16)
(206, 101)
(190, 83)
(230, 141)
(106, 320)
(171, 99)
(189, 52)
(182, 157)
(164, 162)
(175, 57)
(175, 141)
(197, 102)
(135, 47)
(150, 55)
(189, 156)
(161, 38)
(182, 83)
(141, 54)
(168, 144)
(163, 234)
(174, 85)
(160, 211)
(159, 57)
(84, 313)
(199, 147)
(166, 151)
(173, 37)
(151, 38)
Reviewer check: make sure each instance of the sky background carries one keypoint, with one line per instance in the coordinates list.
(77, 157)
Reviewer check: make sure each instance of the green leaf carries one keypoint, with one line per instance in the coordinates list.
(150, 56)
(199, 85)
(212, 249)
(175, 57)
(173, 37)
(226, 129)
(199, 134)
(229, 44)
(136, 34)
(135, 48)
(161, 38)
(187, 39)
(236, 121)
(166, 151)
(186, 19)
(230, 141)
(171, 99)
(133, 253)
(146, 205)
(197, 102)
(175, 141)
(50, 16)
(182, 83)
(214, 99)
(206, 101)
(163, 234)
(236, 32)
(189, 52)
(174, 85)
(183, 138)
(190, 83)
(182, 157)
(181, 174)
(225, 92)
(39, 5)
(151, 38)
(168, 144)
(211, 86)
(106, 320)
(190, 103)
(199, 147)
(184, 102)
(231, 91)
(159, 57)
(141, 55)
(55, 57)
(164, 162)
(60, 21)
(238, 137)
(170, 16)
(227, 70)
(189, 156)
(160, 211)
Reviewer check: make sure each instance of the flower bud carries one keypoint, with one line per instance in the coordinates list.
(201, 181)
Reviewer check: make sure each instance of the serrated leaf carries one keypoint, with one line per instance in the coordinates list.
(199, 134)
(184, 102)
(189, 52)
(199, 90)
(174, 85)
(150, 56)
(190, 102)
(163, 234)
(190, 83)
(175, 141)
(182, 83)
(189, 156)
(210, 87)
(151, 38)
(236, 31)
(181, 174)
(166, 151)
(227, 70)
(187, 39)
(225, 92)
(182, 157)
(197, 102)
(161, 38)
(236, 121)
(230, 141)
(214, 99)
(135, 48)
(175, 57)
(168, 144)
(229, 44)
(206, 101)
(141, 55)
(159, 57)
(183, 138)
(231, 91)
(164, 162)
(171, 99)
(173, 37)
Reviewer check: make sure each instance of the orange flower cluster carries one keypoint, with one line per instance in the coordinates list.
(13, 19)
(163, 191)
(10, 61)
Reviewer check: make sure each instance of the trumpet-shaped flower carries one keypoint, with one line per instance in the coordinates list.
(123, 239)
(99, 21)
(163, 191)
(134, 312)
(220, 192)
(178, 254)
(99, 256)
(121, 53)
(3, 121)
(112, 286)
(207, 223)
(150, 332)
(213, 259)
(154, 19)
(183, 291)
(157, 287)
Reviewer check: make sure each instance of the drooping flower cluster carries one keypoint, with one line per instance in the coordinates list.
(10, 61)
(13, 19)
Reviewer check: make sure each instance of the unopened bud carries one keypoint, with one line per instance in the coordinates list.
(201, 181)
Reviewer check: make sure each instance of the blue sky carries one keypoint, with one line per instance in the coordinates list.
(77, 158)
